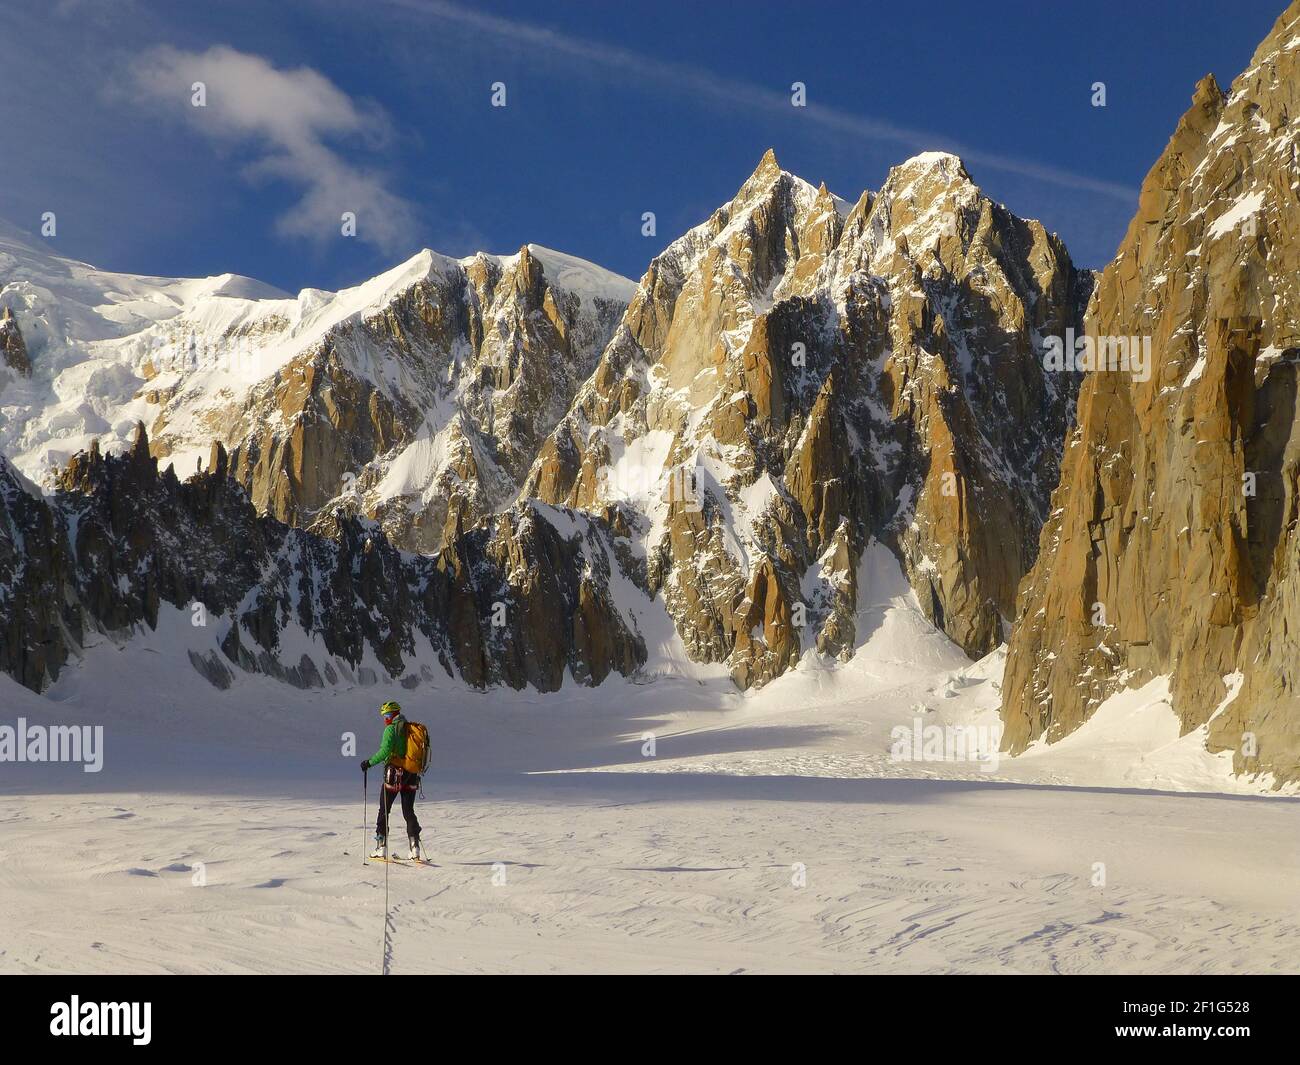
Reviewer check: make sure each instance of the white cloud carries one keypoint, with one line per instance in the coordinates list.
(294, 122)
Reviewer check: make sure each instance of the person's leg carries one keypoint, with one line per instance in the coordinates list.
(385, 808)
(408, 808)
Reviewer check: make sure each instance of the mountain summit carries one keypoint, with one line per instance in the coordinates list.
(824, 375)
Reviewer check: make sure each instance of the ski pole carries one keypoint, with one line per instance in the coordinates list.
(365, 808)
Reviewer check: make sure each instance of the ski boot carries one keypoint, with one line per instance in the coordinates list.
(415, 854)
(381, 847)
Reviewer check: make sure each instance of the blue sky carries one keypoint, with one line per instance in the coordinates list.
(319, 106)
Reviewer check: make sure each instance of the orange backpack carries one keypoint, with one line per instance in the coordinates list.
(416, 759)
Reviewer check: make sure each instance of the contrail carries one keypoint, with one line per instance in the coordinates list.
(680, 77)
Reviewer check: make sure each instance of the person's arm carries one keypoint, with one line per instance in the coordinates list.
(385, 745)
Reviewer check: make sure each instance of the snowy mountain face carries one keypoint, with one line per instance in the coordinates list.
(418, 395)
(396, 414)
(89, 334)
(797, 376)
(1171, 551)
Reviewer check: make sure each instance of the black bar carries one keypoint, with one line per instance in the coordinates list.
(303, 1014)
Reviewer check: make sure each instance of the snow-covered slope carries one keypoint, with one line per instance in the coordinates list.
(769, 831)
(88, 332)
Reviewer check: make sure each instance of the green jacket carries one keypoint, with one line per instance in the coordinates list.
(393, 745)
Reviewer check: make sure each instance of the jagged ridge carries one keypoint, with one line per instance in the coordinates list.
(520, 604)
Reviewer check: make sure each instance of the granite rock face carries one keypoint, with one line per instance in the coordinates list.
(797, 376)
(13, 350)
(1172, 546)
(426, 407)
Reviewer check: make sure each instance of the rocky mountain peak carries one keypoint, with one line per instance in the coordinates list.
(794, 363)
(938, 166)
(770, 197)
(528, 273)
(767, 172)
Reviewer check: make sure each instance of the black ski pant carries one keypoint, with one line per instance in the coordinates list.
(396, 782)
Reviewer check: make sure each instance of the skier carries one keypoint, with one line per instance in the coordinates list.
(392, 749)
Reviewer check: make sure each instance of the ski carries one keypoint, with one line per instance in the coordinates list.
(404, 861)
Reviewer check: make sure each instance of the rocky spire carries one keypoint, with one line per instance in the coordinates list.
(218, 461)
(12, 347)
(141, 463)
